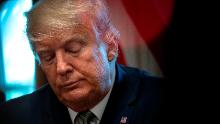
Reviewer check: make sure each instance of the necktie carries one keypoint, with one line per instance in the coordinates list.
(86, 117)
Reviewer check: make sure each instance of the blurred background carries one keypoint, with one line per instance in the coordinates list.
(148, 33)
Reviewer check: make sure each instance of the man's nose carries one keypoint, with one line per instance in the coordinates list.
(63, 66)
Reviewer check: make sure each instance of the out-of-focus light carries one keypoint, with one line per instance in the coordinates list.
(3, 14)
(19, 63)
(18, 92)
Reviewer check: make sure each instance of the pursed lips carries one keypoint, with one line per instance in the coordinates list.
(70, 85)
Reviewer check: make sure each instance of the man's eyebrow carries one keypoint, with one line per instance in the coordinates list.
(42, 49)
(41, 52)
(77, 38)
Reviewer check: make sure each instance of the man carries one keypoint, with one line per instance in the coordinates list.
(77, 46)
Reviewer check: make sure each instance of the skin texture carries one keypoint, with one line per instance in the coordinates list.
(76, 64)
(76, 48)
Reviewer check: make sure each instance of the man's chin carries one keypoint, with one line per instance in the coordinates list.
(76, 102)
(74, 96)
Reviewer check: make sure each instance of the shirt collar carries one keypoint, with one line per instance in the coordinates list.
(100, 107)
(97, 110)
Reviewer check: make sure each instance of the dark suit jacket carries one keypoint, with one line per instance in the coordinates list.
(135, 96)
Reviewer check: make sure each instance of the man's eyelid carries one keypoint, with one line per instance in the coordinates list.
(77, 39)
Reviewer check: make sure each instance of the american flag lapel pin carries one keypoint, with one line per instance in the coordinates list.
(123, 120)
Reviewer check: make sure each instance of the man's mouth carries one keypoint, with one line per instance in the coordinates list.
(70, 85)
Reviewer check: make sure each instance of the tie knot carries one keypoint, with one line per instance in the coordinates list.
(85, 117)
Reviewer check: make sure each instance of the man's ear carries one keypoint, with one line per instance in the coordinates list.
(112, 49)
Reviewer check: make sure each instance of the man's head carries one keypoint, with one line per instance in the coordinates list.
(76, 46)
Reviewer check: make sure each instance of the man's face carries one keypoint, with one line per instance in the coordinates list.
(76, 65)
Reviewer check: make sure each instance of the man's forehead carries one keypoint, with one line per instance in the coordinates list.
(63, 34)
(49, 15)
(62, 8)
(55, 24)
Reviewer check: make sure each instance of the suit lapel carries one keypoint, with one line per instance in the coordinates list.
(57, 113)
(120, 105)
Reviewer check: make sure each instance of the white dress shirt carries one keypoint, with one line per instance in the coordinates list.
(97, 110)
